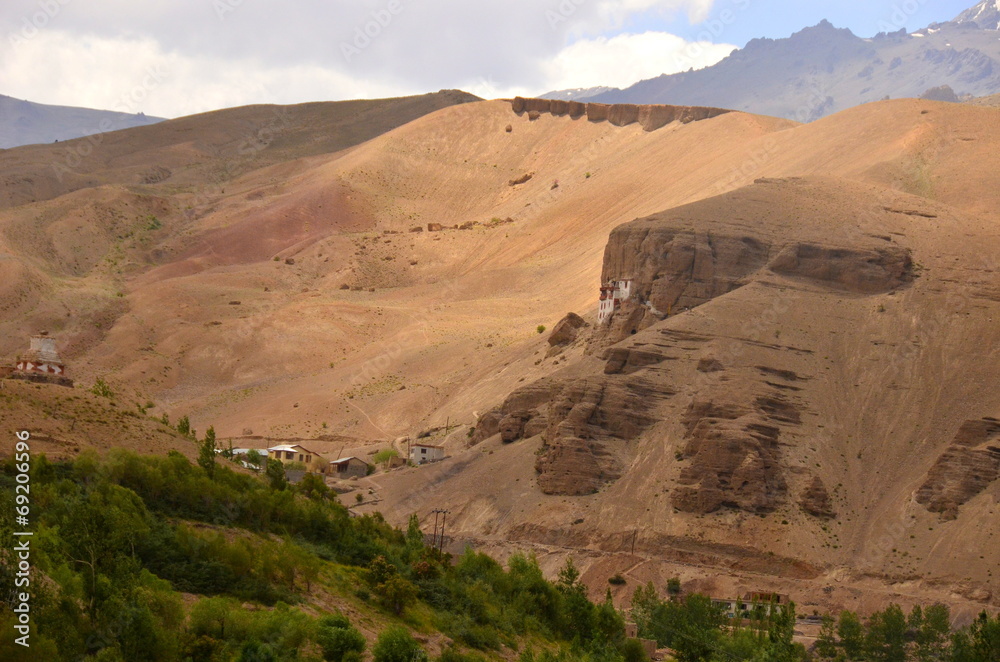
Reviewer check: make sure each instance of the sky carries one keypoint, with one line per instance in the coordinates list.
(179, 57)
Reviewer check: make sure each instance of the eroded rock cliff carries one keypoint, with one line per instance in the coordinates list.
(650, 117)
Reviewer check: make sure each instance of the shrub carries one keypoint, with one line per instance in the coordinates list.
(451, 655)
(397, 645)
(337, 638)
(632, 651)
(383, 456)
(617, 580)
(540, 328)
(101, 388)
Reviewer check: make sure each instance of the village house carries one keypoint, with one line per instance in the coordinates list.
(752, 605)
(241, 455)
(292, 453)
(348, 467)
(612, 295)
(423, 453)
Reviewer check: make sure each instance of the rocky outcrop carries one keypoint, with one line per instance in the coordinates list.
(966, 468)
(815, 500)
(676, 264)
(567, 330)
(674, 269)
(583, 423)
(852, 270)
(651, 117)
(734, 454)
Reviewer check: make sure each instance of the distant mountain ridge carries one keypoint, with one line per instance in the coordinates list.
(29, 123)
(576, 93)
(822, 69)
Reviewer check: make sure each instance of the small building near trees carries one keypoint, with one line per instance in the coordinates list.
(292, 453)
(349, 467)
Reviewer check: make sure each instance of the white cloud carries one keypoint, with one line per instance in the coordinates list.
(137, 75)
(697, 10)
(99, 53)
(628, 58)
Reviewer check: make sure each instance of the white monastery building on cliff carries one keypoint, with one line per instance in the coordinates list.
(612, 296)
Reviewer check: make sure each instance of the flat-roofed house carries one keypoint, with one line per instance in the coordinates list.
(423, 453)
(349, 467)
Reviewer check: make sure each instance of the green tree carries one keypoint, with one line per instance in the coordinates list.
(983, 639)
(852, 635)
(414, 534)
(632, 651)
(645, 604)
(826, 644)
(396, 594)
(673, 587)
(886, 639)
(101, 530)
(275, 473)
(383, 456)
(577, 610)
(397, 645)
(184, 426)
(313, 486)
(254, 651)
(932, 633)
(254, 458)
(206, 456)
(698, 625)
(608, 624)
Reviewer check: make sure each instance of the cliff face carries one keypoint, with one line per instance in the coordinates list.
(678, 261)
(583, 424)
(650, 117)
(964, 470)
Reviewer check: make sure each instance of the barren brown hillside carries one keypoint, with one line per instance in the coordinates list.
(299, 299)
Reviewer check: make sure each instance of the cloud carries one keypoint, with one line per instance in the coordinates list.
(219, 53)
(628, 58)
(137, 75)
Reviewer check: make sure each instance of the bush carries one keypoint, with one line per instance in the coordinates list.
(632, 651)
(397, 645)
(452, 655)
(101, 388)
(617, 580)
(540, 328)
(254, 651)
(337, 638)
(383, 456)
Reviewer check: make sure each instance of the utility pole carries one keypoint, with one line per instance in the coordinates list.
(444, 516)
(434, 536)
(438, 542)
